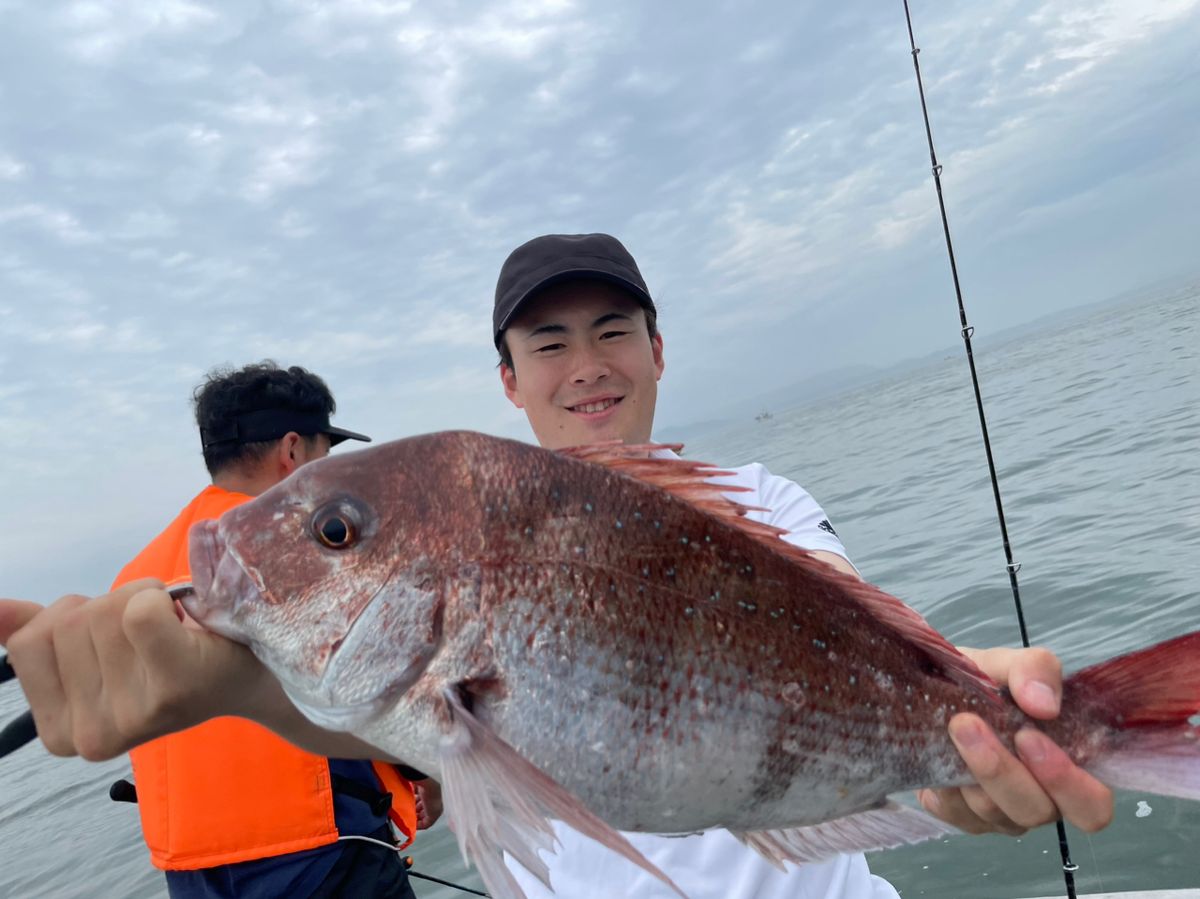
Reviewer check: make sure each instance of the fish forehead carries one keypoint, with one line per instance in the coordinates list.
(404, 488)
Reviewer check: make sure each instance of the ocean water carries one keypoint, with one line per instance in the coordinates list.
(1095, 423)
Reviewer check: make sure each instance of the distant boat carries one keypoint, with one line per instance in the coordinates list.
(764, 415)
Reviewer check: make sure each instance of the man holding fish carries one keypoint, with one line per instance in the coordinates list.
(582, 356)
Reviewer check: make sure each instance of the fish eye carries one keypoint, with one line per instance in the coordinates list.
(334, 527)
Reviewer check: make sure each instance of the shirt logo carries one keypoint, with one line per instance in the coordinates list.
(824, 525)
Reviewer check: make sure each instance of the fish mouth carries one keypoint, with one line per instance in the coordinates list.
(220, 581)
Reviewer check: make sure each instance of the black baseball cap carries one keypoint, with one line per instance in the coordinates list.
(271, 424)
(553, 258)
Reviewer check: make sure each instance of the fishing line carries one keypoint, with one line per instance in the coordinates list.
(408, 863)
(1069, 867)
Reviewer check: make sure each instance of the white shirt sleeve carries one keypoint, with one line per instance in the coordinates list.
(789, 506)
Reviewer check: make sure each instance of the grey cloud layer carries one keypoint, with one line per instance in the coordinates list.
(335, 185)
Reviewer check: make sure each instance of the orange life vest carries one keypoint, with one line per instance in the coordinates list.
(229, 790)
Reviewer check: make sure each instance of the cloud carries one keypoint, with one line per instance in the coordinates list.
(146, 225)
(336, 185)
(99, 32)
(28, 287)
(11, 169)
(57, 222)
(293, 163)
(451, 327)
(78, 329)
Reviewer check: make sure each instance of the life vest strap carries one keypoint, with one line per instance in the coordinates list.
(378, 801)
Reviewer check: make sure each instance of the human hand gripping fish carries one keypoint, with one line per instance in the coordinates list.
(601, 637)
(120, 646)
(107, 674)
(23, 728)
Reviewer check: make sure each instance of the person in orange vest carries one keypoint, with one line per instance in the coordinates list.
(228, 808)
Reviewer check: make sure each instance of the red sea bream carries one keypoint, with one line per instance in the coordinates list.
(600, 636)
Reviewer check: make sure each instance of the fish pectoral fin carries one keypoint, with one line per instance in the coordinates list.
(885, 827)
(497, 801)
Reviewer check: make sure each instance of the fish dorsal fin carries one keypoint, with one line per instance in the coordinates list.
(686, 479)
(689, 480)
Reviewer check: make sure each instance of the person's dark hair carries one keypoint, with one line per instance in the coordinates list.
(506, 354)
(227, 393)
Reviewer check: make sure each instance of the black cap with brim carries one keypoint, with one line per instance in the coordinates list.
(554, 258)
(271, 424)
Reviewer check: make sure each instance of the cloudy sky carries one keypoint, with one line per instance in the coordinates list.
(187, 184)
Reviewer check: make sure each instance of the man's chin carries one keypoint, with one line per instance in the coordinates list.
(584, 433)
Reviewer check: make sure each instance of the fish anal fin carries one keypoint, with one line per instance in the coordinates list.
(497, 801)
(885, 827)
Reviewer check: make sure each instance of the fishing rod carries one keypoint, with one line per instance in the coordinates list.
(1068, 867)
(408, 863)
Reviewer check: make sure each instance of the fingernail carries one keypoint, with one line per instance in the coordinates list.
(968, 735)
(931, 802)
(1044, 695)
(1031, 745)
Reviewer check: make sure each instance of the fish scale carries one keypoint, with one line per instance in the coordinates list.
(661, 549)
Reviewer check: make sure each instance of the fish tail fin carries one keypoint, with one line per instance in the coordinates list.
(1152, 701)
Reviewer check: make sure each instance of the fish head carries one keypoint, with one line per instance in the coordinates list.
(335, 577)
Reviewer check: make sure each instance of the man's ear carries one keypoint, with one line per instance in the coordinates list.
(508, 377)
(656, 346)
(288, 455)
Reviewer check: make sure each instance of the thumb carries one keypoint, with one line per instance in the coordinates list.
(1036, 683)
(163, 642)
(197, 674)
(14, 615)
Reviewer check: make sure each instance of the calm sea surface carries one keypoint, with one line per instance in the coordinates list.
(1096, 428)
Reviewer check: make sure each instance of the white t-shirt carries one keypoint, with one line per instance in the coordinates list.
(714, 864)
